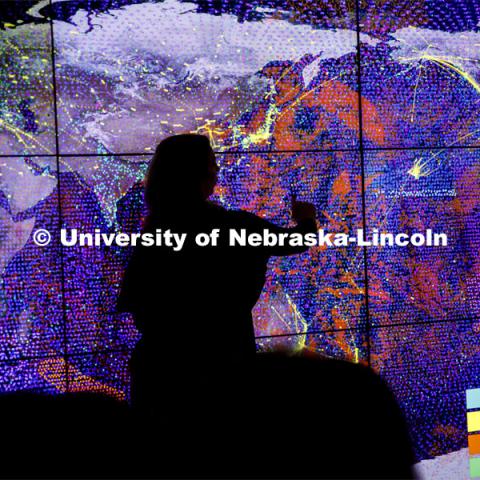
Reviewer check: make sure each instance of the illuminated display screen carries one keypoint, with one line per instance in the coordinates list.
(370, 114)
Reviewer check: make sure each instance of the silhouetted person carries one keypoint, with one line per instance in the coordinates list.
(225, 411)
(193, 306)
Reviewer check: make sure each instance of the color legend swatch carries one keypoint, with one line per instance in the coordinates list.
(473, 425)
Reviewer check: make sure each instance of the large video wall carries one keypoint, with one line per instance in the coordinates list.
(368, 108)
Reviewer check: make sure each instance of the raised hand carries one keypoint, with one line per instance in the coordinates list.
(302, 210)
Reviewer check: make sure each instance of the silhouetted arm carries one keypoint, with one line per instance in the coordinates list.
(254, 224)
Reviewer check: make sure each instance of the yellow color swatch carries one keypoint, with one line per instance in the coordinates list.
(473, 421)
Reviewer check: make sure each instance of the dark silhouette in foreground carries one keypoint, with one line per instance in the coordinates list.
(63, 436)
(280, 417)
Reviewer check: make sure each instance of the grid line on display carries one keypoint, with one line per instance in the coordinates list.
(259, 337)
(65, 356)
(362, 174)
(256, 152)
(57, 150)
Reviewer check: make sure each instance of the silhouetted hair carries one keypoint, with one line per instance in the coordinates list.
(177, 169)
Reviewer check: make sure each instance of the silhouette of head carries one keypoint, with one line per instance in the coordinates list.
(183, 170)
